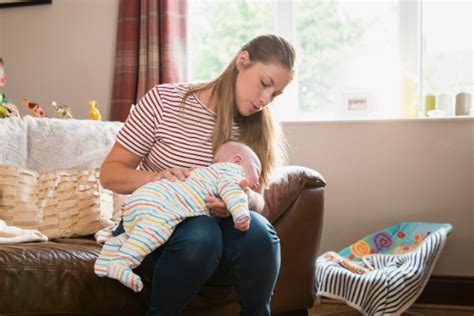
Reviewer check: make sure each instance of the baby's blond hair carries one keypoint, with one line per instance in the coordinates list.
(240, 148)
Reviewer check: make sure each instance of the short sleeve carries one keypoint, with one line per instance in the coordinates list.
(138, 133)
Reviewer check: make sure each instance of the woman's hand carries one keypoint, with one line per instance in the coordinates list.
(218, 207)
(172, 174)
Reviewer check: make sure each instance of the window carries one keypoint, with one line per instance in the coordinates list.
(356, 59)
(447, 50)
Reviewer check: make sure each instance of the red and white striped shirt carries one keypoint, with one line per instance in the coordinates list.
(166, 135)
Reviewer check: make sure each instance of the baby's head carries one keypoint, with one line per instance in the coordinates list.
(3, 76)
(244, 156)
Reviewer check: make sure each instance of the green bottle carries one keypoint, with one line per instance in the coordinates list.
(430, 103)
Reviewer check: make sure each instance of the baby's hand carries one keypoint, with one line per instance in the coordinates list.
(243, 224)
(244, 184)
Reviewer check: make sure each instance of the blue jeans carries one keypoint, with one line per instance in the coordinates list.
(203, 250)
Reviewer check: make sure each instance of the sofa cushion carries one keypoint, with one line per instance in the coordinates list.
(57, 203)
(38, 278)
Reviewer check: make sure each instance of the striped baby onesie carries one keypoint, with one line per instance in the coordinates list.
(152, 212)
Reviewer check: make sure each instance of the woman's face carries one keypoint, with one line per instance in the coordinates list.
(258, 84)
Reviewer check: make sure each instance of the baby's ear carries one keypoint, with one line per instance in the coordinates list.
(237, 158)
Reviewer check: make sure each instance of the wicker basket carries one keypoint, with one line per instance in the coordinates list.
(57, 203)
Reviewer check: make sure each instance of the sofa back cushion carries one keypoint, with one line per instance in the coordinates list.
(57, 203)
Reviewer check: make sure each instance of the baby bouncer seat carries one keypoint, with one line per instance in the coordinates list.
(384, 272)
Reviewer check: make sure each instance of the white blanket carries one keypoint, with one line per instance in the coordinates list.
(56, 144)
(14, 235)
(14, 150)
(45, 144)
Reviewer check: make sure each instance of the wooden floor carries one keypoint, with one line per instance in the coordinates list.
(329, 307)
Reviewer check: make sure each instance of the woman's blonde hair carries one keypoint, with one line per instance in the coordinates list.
(259, 130)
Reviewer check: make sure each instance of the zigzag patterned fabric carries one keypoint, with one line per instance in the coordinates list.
(385, 272)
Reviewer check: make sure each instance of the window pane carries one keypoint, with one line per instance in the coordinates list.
(447, 48)
(218, 29)
(349, 62)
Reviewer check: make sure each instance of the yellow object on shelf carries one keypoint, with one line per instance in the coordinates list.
(94, 113)
(409, 96)
(430, 103)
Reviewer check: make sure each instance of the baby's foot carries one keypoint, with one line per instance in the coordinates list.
(108, 252)
(126, 276)
(243, 223)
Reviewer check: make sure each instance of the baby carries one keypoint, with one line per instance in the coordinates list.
(152, 212)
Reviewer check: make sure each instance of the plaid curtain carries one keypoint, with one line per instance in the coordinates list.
(150, 49)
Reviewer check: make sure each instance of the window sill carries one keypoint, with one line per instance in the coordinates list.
(381, 121)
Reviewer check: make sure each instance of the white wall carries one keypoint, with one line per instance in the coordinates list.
(381, 173)
(61, 52)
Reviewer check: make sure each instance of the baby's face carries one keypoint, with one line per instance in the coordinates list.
(245, 158)
(252, 171)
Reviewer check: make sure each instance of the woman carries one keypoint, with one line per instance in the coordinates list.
(177, 126)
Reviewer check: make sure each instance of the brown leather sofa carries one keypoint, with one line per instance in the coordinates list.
(57, 278)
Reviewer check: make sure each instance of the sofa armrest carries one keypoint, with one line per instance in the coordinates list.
(299, 231)
(287, 184)
(295, 205)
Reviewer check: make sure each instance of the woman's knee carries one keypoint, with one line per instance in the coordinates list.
(255, 261)
(262, 235)
(198, 238)
(260, 240)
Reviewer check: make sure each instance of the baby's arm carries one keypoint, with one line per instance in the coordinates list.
(234, 197)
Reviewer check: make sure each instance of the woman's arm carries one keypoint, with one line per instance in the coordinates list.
(256, 200)
(119, 174)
